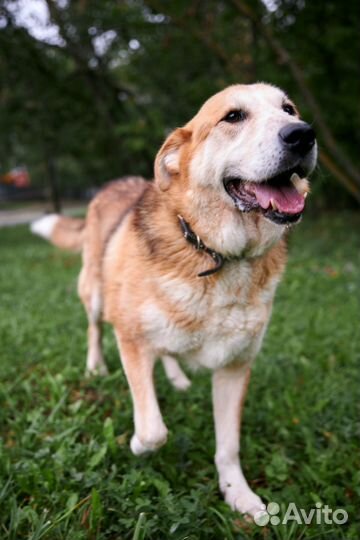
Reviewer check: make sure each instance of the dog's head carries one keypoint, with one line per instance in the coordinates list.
(248, 145)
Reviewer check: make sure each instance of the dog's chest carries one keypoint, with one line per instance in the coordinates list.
(209, 325)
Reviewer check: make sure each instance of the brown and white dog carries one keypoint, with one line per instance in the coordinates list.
(186, 267)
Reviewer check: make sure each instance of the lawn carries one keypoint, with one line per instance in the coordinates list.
(66, 471)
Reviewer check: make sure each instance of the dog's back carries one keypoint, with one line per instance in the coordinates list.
(108, 209)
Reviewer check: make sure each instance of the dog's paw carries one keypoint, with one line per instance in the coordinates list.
(99, 369)
(245, 501)
(137, 447)
(175, 374)
(180, 382)
(95, 364)
(148, 444)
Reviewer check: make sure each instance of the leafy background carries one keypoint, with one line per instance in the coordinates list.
(95, 101)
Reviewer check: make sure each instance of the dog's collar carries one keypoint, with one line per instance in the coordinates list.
(199, 245)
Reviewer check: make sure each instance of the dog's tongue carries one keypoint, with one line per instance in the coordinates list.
(286, 198)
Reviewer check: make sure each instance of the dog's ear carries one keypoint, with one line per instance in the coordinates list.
(167, 162)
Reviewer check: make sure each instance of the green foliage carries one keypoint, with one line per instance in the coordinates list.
(100, 114)
(66, 471)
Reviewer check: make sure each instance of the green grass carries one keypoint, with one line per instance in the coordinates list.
(66, 471)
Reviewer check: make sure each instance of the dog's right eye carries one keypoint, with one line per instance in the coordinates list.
(289, 109)
(235, 116)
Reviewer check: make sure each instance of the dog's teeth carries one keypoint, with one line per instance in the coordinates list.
(301, 184)
(294, 177)
(274, 206)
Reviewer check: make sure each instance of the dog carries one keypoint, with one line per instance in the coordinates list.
(186, 267)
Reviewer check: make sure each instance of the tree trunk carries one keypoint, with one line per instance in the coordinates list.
(53, 183)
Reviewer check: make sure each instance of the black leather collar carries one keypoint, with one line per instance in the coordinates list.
(199, 245)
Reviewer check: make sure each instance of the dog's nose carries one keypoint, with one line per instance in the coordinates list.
(298, 137)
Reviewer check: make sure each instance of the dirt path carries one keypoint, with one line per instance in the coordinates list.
(20, 216)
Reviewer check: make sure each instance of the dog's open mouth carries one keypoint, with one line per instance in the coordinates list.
(280, 198)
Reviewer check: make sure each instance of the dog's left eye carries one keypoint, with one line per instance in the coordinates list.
(235, 116)
(289, 109)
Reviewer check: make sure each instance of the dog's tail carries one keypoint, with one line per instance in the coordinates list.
(64, 232)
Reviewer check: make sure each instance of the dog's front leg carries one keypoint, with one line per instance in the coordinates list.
(150, 430)
(229, 390)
